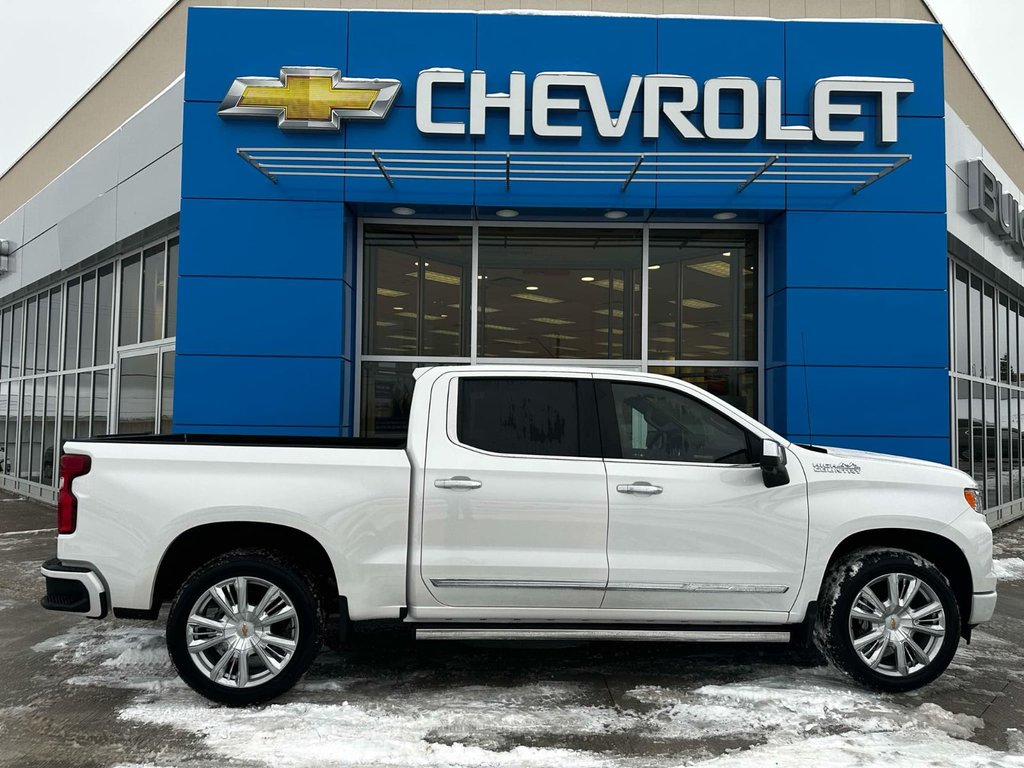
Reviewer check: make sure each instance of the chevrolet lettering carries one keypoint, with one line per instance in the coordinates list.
(316, 98)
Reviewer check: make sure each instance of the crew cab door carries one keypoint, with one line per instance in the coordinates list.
(515, 510)
(691, 524)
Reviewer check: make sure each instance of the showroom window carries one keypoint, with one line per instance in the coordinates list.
(987, 386)
(146, 340)
(676, 300)
(59, 355)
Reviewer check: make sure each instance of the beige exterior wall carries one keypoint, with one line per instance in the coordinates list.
(158, 58)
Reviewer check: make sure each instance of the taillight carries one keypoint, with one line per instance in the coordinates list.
(72, 465)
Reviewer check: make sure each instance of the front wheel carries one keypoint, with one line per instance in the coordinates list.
(888, 619)
(244, 628)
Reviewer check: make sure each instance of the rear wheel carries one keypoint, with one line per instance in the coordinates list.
(244, 628)
(889, 619)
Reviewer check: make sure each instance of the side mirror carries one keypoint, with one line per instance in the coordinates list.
(773, 464)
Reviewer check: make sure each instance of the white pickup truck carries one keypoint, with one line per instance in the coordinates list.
(527, 502)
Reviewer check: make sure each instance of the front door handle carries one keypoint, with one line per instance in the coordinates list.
(458, 483)
(641, 488)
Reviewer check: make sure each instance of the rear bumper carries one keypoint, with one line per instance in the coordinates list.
(74, 589)
(983, 606)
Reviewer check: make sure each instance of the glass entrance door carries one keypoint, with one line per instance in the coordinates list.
(145, 391)
(678, 300)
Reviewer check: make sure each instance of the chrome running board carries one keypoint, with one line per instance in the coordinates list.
(648, 635)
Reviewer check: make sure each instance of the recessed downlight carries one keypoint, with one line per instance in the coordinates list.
(403, 210)
(533, 287)
(588, 279)
(654, 266)
(506, 213)
(724, 216)
(615, 214)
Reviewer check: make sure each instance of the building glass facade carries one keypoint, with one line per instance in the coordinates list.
(88, 356)
(676, 300)
(987, 387)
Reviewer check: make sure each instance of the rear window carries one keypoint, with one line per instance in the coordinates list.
(522, 416)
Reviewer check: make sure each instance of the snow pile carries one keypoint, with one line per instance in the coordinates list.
(311, 735)
(912, 749)
(792, 719)
(132, 657)
(1009, 568)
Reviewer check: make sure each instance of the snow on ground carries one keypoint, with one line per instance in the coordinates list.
(132, 657)
(791, 719)
(1009, 568)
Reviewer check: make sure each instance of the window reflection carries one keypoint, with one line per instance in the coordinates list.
(560, 293)
(702, 295)
(137, 395)
(416, 288)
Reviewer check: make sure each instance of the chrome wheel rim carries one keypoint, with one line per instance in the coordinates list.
(242, 632)
(897, 625)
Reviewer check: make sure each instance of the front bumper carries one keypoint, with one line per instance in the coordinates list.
(983, 606)
(73, 588)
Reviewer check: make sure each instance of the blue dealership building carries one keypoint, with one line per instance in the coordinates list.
(790, 213)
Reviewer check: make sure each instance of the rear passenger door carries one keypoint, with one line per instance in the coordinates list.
(515, 500)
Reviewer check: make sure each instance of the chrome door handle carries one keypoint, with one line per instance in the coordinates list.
(641, 488)
(458, 483)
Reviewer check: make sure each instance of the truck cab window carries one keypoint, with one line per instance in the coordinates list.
(520, 416)
(656, 424)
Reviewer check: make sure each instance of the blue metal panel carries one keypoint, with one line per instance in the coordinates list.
(255, 316)
(249, 429)
(399, 132)
(416, 41)
(225, 43)
(233, 391)
(865, 327)
(613, 47)
(539, 194)
(212, 169)
(250, 238)
(719, 196)
(918, 186)
(867, 402)
(827, 49)
(927, 448)
(860, 250)
(706, 48)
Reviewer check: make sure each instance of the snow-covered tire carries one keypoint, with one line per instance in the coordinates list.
(245, 627)
(886, 644)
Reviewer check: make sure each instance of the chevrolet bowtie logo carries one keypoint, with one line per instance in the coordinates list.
(310, 98)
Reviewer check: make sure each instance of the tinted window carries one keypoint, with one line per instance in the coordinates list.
(656, 424)
(522, 416)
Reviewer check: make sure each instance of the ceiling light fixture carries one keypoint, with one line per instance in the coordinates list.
(506, 213)
(724, 216)
(654, 266)
(537, 297)
(587, 279)
(615, 214)
(403, 210)
(533, 287)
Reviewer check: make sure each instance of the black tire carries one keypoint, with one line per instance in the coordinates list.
(835, 629)
(297, 590)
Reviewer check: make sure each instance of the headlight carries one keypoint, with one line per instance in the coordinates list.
(973, 499)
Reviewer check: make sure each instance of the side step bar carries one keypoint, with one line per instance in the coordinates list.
(648, 635)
